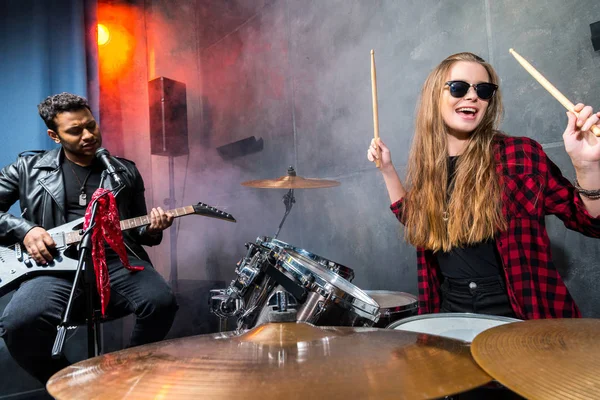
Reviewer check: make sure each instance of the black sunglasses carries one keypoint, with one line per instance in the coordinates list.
(485, 90)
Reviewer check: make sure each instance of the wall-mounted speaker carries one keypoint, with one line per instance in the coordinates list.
(168, 117)
(595, 28)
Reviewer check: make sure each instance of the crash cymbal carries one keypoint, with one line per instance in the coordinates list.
(276, 361)
(543, 359)
(291, 182)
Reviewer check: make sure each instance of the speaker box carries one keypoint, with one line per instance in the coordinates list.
(595, 28)
(168, 117)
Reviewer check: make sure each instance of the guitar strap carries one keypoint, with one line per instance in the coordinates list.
(107, 228)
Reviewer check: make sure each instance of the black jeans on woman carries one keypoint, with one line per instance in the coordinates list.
(476, 295)
(28, 324)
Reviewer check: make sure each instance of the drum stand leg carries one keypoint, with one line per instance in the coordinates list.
(288, 200)
(222, 324)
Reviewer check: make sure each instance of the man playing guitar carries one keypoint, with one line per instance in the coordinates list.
(54, 187)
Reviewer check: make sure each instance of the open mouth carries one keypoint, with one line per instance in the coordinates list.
(467, 112)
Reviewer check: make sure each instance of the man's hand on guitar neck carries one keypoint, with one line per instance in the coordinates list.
(39, 245)
(159, 220)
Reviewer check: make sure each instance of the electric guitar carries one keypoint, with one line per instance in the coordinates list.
(16, 265)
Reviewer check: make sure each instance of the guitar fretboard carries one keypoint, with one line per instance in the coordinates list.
(75, 236)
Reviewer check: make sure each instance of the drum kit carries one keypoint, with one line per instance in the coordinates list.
(320, 289)
(303, 330)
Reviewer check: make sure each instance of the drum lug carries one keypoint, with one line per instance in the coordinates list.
(309, 282)
(320, 308)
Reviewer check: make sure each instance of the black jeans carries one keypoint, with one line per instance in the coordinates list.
(477, 295)
(28, 325)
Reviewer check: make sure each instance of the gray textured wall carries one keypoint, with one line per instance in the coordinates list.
(296, 74)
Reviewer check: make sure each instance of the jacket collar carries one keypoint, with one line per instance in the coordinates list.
(50, 160)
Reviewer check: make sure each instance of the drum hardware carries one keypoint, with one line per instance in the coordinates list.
(223, 306)
(299, 291)
(290, 181)
(313, 308)
(251, 310)
(288, 201)
(280, 311)
(335, 362)
(246, 273)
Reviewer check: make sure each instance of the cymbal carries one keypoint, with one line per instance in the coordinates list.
(543, 359)
(291, 182)
(278, 360)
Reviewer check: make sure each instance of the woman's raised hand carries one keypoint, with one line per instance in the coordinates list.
(580, 143)
(386, 156)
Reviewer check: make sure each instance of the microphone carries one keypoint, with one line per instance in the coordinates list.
(104, 156)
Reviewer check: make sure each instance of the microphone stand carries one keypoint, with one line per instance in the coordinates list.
(84, 264)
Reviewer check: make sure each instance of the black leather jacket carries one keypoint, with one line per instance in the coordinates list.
(36, 181)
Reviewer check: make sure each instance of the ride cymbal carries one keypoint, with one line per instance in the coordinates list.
(278, 360)
(291, 182)
(543, 359)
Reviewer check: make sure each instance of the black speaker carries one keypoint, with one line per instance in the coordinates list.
(595, 28)
(168, 117)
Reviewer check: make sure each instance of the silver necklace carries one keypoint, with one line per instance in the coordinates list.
(82, 194)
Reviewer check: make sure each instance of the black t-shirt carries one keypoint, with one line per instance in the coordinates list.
(79, 181)
(82, 181)
(480, 260)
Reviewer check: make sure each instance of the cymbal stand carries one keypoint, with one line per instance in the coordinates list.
(288, 200)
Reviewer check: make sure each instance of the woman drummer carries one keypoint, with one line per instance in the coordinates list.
(477, 198)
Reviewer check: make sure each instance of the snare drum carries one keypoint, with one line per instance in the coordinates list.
(342, 270)
(460, 326)
(331, 300)
(393, 306)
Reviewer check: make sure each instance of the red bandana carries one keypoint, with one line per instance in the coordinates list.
(107, 228)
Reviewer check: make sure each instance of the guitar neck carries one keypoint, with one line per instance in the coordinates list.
(75, 236)
(145, 220)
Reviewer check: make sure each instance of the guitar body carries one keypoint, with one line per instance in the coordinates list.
(16, 265)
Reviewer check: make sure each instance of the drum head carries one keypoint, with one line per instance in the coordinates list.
(329, 283)
(393, 301)
(460, 326)
(270, 243)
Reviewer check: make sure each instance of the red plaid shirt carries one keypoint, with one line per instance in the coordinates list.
(533, 188)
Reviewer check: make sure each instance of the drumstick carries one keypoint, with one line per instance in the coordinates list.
(549, 87)
(375, 112)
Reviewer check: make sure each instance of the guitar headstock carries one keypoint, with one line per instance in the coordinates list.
(209, 211)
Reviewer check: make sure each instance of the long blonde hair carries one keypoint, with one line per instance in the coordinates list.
(473, 212)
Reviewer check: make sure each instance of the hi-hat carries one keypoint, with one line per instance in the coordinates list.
(543, 359)
(279, 360)
(291, 182)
